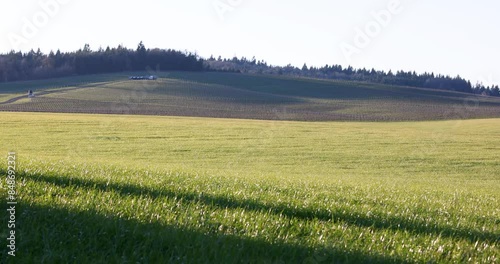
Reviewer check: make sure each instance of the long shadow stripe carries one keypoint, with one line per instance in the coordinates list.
(339, 215)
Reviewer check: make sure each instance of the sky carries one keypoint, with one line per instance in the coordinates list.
(459, 37)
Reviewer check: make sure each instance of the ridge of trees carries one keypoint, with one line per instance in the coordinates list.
(410, 78)
(18, 66)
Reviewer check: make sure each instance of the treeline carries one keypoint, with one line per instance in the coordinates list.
(16, 66)
(425, 80)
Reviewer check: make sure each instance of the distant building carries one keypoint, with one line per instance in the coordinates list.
(31, 94)
(151, 77)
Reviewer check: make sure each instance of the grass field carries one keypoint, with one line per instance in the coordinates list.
(245, 96)
(144, 189)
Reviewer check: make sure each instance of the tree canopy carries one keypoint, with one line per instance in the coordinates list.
(16, 66)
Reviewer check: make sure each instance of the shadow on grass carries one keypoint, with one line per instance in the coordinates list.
(60, 235)
(328, 89)
(374, 221)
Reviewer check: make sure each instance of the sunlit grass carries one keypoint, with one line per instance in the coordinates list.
(159, 189)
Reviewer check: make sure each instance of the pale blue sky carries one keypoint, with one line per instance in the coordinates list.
(446, 36)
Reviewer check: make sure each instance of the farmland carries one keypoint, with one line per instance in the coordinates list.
(225, 168)
(126, 188)
(244, 96)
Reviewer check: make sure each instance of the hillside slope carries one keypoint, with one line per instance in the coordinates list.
(229, 95)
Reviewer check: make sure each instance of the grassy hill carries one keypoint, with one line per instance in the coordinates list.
(244, 96)
(143, 189)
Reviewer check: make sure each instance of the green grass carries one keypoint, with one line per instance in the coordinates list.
(247, 96)
(5, 97)
(23, 86)
(107, 189)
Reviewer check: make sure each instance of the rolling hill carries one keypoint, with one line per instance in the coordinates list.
(230, 95)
